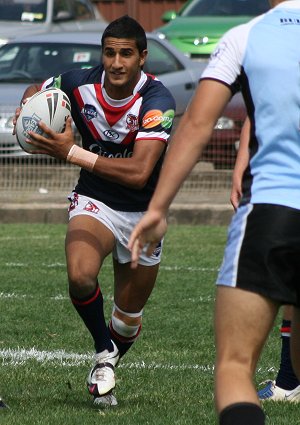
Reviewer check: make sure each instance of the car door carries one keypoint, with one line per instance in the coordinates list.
(172, 72)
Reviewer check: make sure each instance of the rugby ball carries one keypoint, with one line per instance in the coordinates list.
(52, 106)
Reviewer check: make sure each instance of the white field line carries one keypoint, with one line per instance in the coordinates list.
(20, 356)
(166, 268)
(13, 238)
(61, 297)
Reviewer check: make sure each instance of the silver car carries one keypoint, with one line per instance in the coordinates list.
(33, 59)
(26, 17)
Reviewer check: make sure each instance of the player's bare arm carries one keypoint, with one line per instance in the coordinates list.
(241, 163)
(132, 172)
(192, 135)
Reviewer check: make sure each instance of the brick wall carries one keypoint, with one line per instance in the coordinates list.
(147, 12)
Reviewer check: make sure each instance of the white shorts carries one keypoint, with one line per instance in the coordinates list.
(121, 224)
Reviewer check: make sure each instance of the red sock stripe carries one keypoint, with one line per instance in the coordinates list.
(285, 330)
(89, 301)
(123, 338)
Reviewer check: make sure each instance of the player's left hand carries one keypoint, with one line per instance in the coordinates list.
(147, 233)
(55, 144)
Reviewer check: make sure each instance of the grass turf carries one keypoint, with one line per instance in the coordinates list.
(167, 378)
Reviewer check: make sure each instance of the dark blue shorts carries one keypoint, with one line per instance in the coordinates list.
(262, 253)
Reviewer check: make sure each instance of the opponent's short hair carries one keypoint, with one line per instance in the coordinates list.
(126, 27)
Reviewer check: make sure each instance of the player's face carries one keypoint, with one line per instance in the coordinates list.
(122, 63)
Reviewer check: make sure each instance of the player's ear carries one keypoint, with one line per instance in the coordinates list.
(143, 57)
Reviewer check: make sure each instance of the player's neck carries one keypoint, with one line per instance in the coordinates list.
(122, 92)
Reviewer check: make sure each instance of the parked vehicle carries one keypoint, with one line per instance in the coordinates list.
(199, 25)
(33, 59)
(24, 17)
(223, 146)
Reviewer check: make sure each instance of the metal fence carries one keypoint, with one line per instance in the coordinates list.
(38, 179)
(45, 179)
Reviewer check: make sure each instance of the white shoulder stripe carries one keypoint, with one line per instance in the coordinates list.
(226, 61)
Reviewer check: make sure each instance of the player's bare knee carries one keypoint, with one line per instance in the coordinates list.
(81, 284)
(124, 325)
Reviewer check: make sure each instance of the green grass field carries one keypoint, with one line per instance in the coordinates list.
(167, 378)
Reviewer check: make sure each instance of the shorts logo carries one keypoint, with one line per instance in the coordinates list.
(132, 122)
(31, 124)
(111, 134)
(90, 207)
(73, 201)
(156, 117)
(157, 250)
(89, 111)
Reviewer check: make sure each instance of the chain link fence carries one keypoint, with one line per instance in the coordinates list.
(29, 178)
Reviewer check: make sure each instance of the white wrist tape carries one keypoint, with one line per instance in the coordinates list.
(81, 157)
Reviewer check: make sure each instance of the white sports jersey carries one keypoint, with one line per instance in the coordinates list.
(263, 57)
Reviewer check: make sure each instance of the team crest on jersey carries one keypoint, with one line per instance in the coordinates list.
(89, 111)
(221, 48)
(132, 123)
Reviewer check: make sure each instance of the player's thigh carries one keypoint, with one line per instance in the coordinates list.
(295, 341)
(287, 312)
(88, 242)
(133, 286)
(243, 320)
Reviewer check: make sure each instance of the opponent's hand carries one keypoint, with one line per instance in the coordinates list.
(147, 233)
(55, 144)
(236, 193)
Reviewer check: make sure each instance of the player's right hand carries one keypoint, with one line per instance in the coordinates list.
(15, 118)
(17, 114)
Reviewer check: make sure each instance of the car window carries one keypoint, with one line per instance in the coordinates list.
(40, 61)
(72, 9)
(228, 7)
(82, 11)
(160, 60)
(23, 10)
(62, 9)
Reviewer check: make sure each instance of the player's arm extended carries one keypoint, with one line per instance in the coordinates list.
(241, 163)
(135, 171)
(132, 172)
(192, 135)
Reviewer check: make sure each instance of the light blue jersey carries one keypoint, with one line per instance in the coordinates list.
(263, 57)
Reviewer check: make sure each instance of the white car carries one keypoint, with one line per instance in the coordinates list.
(25, 17)
(29, 60)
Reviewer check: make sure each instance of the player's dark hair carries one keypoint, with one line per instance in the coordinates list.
(126, 27)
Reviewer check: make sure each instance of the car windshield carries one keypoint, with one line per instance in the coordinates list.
(226, 8)
(37, 62)
(23, 10)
